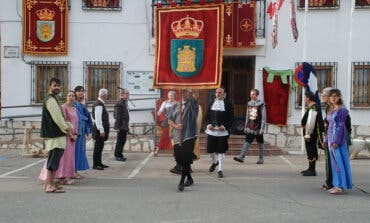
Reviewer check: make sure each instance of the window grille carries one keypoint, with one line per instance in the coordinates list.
(360, 85)
(42, 72)
(362, 4)
(98, 74)
(107, 5)
(326, 73)
(319, 4)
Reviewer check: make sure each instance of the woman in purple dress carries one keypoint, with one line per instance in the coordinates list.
(336, 140)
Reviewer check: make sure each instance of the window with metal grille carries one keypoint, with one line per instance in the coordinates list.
(326, 74)
(110, 5)
(42, 72)
(360, 84)
(362, 4)
(319, 4)
(102, 75)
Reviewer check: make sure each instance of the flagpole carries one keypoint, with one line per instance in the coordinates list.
(304, 60)
(349, 88)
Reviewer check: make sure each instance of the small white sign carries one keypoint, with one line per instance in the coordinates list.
(140, 82)
(11, 51)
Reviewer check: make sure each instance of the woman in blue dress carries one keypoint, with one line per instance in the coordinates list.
(84, 129)
(336, 139)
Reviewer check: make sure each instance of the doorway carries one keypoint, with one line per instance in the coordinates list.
(238, 80)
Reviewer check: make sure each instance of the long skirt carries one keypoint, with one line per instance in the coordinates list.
(341, 169)
(81, 162)
(165, 141)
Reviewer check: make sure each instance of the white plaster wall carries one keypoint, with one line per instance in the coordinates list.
(124, 36)
(329, 36)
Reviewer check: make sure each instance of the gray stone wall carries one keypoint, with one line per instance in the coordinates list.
(287, 138)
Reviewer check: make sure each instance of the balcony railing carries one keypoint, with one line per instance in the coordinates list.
(260, 13)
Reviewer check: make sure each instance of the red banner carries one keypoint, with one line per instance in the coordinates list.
(276, 96)
(189, 48)
(239, 23)
(45, 28)
(362, 2)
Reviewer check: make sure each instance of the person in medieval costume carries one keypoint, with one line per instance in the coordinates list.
(84, 129)
(313, 128)
(254, 126)
(219, 118)
(184, 134)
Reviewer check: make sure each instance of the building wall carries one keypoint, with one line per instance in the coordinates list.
(124, 36)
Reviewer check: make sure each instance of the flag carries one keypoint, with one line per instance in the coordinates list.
(306, 77)
(189, 47)
(45, 27)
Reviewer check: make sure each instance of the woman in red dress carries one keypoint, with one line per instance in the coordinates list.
(165, 141)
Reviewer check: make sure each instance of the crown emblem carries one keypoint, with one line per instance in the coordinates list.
(187, 27)
(45, 14)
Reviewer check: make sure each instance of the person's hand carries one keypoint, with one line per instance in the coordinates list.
(178, 126)
(334, 145)
(261, 132)
(102, 134)
(221, 128)
(211, 128)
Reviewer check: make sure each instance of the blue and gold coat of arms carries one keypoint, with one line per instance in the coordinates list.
(187, 50)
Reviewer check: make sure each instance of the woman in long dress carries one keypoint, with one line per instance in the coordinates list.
(165, 141)
(337, 143)
(66, 168)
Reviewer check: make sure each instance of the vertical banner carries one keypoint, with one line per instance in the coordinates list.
(189, 48)
(45, 27)
(276, 90)
(239, 25)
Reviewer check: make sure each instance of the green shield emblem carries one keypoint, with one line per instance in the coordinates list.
(186, 56)
(45, 30)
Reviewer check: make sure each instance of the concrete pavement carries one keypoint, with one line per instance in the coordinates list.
(143, 190)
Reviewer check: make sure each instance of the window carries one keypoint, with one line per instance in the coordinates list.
(110, 5)
(102, 75)
(320, 4)
(361, 84)
(325, 72)
(362, 4)
(43, 71)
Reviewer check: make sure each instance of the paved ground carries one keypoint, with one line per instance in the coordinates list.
(143, 190)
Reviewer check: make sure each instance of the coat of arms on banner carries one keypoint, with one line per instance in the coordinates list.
(45, 25)
(189, 47)
(187, 51)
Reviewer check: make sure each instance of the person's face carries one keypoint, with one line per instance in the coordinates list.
(171, 96)
(254, 96)
(125, 95)
(324, 98)
(334, 99)
(70, 97)
(80, 94)
(306, 100)
(55, 88)
(186, 94)
(104, 96)
(220, 93)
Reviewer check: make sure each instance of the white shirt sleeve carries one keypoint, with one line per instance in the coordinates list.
(98, 118)
(311, 121)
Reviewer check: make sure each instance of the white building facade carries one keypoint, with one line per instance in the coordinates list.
(117, 46)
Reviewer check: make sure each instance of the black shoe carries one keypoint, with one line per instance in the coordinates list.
(213, 167)
(309, 173)
(259, 162)
(181, 186)
(123, 159)
(188, 182)
(104, 166)
(236, 158)
(220, 174)
(98, 168)
(175, 170)
(304, 171)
